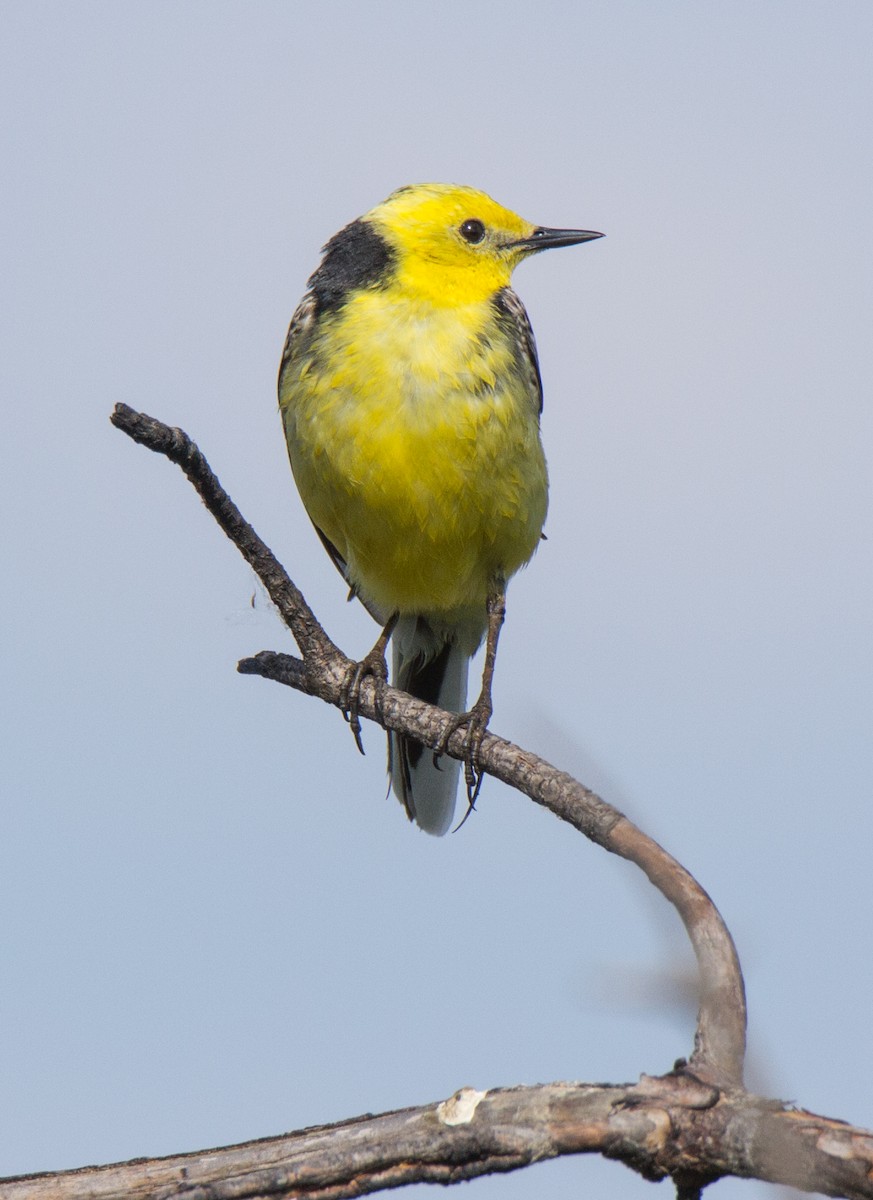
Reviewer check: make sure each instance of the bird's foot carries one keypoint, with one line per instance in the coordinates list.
(476, 723)
(374, 665)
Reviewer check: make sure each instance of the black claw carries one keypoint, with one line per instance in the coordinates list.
(476, 722)
(355, 726)
(374, 665)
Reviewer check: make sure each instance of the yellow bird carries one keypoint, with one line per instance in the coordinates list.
(410, 394)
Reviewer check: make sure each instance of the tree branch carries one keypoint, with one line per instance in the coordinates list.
(719, 1045)
(670, 1126)
(178, 448)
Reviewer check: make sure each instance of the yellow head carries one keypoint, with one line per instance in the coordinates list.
(454, 244)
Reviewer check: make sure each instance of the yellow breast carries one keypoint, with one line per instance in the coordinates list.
(414, 440)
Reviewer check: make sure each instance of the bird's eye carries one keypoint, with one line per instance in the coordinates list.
(472, 231)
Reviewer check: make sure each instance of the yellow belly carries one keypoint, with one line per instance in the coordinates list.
(420, 461)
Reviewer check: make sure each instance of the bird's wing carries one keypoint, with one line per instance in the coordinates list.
(513, 315)
(342, 566)
(296, 343)
(299, 332)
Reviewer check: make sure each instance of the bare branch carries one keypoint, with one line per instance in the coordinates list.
(178, 448)
(719, 1045)
(669, 1126)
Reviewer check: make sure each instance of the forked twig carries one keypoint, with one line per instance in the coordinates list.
(719, 1044)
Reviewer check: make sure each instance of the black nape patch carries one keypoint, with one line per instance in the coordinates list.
(355, 257)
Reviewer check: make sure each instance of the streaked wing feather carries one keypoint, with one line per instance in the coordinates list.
(511, 311)
(342, 566)
(299, 330)
(299, 335)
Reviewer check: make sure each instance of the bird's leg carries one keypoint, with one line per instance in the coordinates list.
(476, 720)
(372, 664)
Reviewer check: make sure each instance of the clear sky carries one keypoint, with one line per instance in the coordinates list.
(214, 925)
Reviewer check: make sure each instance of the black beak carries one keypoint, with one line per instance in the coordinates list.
(545, 239)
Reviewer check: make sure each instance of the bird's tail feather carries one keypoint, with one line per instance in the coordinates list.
(433, 666)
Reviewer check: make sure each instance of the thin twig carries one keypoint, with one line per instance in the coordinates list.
(180, 449)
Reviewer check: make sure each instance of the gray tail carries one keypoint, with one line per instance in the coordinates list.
(432, 667)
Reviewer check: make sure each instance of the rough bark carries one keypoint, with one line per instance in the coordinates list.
(672, 1126)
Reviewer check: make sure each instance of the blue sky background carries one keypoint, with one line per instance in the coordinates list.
(214, 926)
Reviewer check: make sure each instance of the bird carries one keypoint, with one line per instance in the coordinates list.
(410, 394)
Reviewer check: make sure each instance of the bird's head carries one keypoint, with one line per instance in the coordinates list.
(455, 244)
